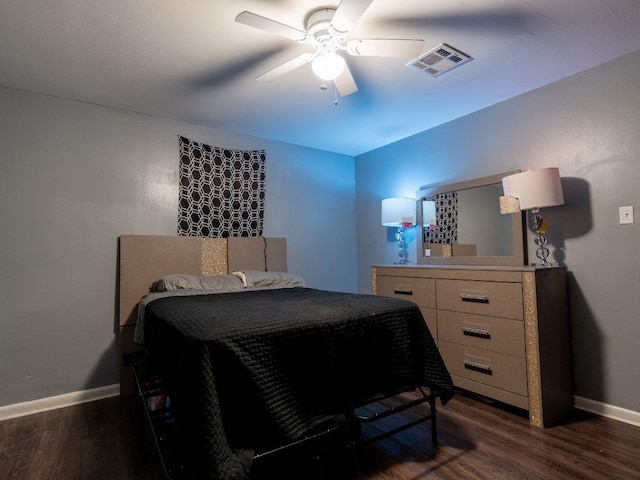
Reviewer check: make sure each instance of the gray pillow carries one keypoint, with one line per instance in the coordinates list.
(178, 281)
(254, 278)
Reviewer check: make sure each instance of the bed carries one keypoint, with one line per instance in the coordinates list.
(258, 364)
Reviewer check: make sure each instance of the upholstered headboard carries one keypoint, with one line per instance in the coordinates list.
(143, 259)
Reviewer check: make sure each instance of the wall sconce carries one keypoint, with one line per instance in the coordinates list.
(533, 190)
(399, 212)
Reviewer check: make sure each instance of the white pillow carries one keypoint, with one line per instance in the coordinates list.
(254, 278)
(198, 282)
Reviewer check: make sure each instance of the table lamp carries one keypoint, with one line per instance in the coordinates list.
(533, 190)
(399, 212)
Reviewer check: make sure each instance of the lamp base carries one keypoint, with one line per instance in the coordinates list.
(402, 248)
(542, 252)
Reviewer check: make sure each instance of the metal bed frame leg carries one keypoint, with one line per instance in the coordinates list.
(434, 426)
(140, 443)
(431, 399)
(352, 423)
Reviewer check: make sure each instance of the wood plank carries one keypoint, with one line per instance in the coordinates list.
(476, 440)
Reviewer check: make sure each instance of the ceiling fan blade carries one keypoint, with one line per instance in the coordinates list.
(391, 47)
(503, 20)
(348, 14)
(271, 26)
(286, 67)
(345, 84)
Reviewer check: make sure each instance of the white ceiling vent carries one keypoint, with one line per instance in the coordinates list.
(439, 60)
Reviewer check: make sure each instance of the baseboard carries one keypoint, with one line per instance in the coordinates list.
(609, 411)
(83, 396)
(58, 401)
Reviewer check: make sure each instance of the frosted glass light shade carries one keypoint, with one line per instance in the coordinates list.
(535, 188)
(328, 66)
(398, 212)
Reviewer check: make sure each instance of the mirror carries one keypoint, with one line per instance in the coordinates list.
(462, 225)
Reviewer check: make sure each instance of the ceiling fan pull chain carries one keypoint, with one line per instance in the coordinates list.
(335, 94)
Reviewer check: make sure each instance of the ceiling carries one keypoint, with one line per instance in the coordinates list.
(189, 60)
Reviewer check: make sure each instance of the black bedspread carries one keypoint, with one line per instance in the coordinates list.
(247, 371)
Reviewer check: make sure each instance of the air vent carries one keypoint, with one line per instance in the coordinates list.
(439, 60)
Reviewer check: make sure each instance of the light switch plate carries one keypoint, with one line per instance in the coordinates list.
(626, 214)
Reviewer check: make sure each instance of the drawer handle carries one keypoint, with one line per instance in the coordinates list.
(399, 291)
(472, 297)
(478, 367)
(476, 332)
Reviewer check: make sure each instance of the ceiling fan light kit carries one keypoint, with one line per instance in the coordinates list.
(326, 30)
(328, 66)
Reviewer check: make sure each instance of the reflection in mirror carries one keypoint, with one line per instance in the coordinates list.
(468, 218)
(462, 224)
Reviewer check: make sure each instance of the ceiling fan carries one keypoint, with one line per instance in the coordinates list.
(326, 30)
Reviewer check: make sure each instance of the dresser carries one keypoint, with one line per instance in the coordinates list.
(503, 331)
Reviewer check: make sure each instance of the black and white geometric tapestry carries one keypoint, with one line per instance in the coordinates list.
(446, 227)
(221, 191)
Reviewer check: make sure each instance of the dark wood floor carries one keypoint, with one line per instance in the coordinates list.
(476, 440)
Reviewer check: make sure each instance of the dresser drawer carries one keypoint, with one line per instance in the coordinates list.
(502, 335)
(498, 299)
(419, 290)
(490, 368)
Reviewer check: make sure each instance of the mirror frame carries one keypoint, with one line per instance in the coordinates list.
(518, 227)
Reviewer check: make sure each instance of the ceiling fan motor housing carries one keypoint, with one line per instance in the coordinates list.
(318, 21)
(318, 25)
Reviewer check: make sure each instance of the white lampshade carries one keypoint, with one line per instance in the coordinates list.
(535, 188)
(328, 66)
(398, 212)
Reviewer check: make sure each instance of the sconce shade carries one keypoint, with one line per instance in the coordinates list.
(398, 212)
(535, 188)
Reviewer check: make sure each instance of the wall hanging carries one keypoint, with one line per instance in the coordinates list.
(221, 191)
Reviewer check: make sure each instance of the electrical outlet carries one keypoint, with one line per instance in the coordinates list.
(626, 214)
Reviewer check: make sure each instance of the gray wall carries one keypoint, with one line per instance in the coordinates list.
(74, 176)
(588, 125)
